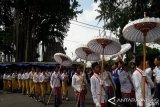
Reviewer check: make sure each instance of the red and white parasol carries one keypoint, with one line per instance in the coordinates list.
(62, 59)
(124, 49)
(143, 30)
(85, 53)
(104, 46)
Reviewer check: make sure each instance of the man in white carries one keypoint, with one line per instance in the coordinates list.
(137, 81)
(36, 80)
(95, 87)
(5, 82)
(19, 81)
(56, 86)
(27, 82)
(43, 85)
(31, 84)
(156, 75)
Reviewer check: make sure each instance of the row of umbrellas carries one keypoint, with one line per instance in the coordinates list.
(143, 30)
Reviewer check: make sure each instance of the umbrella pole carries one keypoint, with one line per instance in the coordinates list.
(53, 88)
(144, 66)
(102, 69)
(82, 82)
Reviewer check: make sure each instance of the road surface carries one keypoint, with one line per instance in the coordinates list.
(19, 100)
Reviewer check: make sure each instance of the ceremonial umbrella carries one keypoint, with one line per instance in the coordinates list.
(143, 30)
(106, 45)
(85, 53)
(124, 49)
(63, 60)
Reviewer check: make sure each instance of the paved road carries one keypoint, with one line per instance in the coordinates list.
(19, 100)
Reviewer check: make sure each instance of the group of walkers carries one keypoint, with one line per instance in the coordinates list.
(119, 80)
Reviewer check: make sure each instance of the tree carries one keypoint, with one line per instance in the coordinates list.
(117, 13)
(35, 21)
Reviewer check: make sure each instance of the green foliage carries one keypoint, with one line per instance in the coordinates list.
(33, 21)
(117, 13)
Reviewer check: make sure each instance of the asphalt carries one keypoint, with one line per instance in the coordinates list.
(19, 100)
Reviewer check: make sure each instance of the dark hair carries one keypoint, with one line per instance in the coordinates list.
(121, 62)
(139, 60)
(116, 63)
(149, 63)
(94, 64)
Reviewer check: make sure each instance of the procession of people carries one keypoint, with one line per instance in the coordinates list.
(120, 80)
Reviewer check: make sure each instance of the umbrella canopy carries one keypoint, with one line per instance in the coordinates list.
(157, 41)
(109, 44)
(62, 59)
(124, 49)
(148, 27)
(143, 31)
(85, 53)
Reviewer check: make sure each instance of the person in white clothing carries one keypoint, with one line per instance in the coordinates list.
(126, 84)
(5, 82)
(23, 82)
(43, 85)
(14, 81)
(19, 81)
(78, 84)
(96, 82)
(55, 84)
(137, 81)
(65, 80)
(31, 84)
(156, 75)
(27, 82)
(36, 80)
(149, 74)
(109, 83)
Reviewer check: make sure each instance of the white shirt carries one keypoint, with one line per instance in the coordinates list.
(23, 76)
(149, 72)
(64, 76)
(95, 89)
(126, 85)
(108, 81)
(13, 75)
(26, 76)
(4, 76)
(9, 77)
(55, 80)
(31, 75)
(137, 81)
(36, 77)
(42, 78)
(156, 72)
(19, 76)
(76, 82)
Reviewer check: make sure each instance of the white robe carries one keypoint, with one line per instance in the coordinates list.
(137, 81)
(95, 89)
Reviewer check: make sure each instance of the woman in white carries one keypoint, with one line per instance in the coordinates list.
(78, 84)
